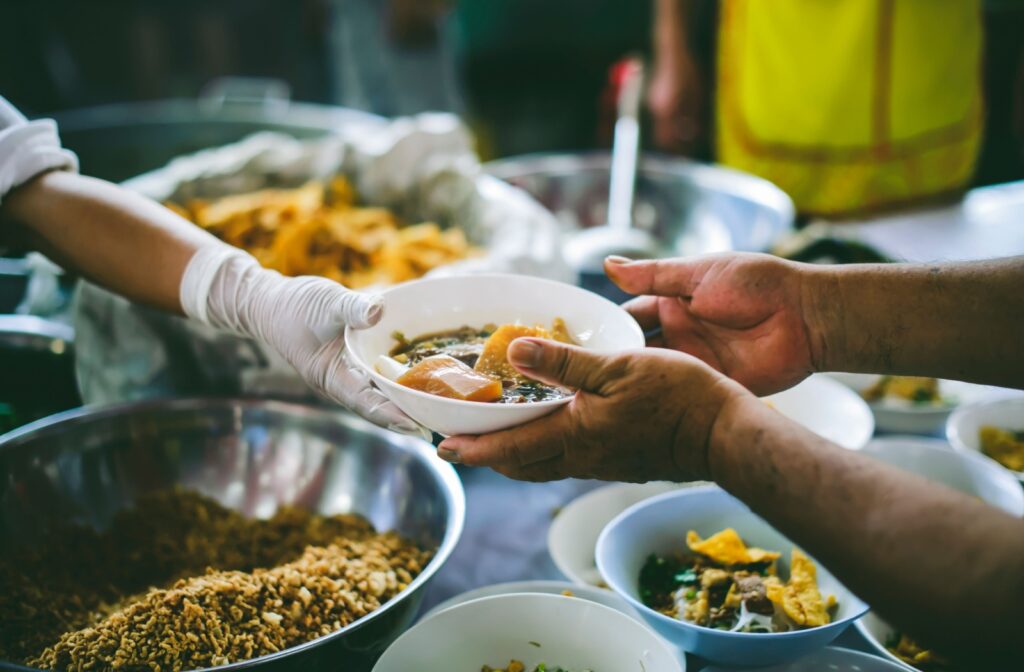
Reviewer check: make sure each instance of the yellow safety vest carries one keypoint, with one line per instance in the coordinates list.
(851, 105)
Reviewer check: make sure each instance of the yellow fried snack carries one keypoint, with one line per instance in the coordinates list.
(494, 358)
(727, 548)
(513, 666)
(913, 653)
(800, 597)
(319, 230)
(1003, 446)
(910, 388)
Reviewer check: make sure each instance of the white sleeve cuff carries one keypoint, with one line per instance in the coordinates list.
(28, 149)
(200, 274)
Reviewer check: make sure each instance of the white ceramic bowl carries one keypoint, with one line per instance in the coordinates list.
(829, 659)
(659, 525)
(966, 471)
(439, 304)
(553, 629)
(574, 531)
(878, 632)
(828, 409)
(598, 595)
(965, 423)
(905, 417)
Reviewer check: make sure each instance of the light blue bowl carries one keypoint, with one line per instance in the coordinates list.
(659, 525)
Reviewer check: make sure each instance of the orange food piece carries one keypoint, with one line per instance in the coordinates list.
(494, 358)
(448, 377)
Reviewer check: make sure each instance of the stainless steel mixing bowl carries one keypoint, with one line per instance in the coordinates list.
(252, 456)
(690, 207)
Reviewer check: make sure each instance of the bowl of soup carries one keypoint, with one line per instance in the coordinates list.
(440, 350)
(718, 581)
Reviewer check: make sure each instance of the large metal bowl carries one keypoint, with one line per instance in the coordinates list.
(252, 456)
(690, 207)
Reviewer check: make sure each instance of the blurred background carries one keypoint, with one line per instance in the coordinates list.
(528, 75)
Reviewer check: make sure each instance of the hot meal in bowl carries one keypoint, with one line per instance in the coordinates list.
(907, 390)
(1005, 446)
(912, 653)
(722, 583)
(471, 364)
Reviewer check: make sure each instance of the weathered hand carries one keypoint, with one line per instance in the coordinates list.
(637, 416)
(743, 314)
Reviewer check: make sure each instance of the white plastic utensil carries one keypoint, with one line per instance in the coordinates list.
(585, 251)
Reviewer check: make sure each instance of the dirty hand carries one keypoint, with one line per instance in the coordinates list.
(744, 314)
(637, 416)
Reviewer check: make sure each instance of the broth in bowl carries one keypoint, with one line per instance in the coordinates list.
(471, 364)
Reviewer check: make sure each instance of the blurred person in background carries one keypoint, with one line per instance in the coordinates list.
(848, 106)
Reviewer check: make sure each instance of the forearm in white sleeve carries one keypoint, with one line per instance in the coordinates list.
(28, 148)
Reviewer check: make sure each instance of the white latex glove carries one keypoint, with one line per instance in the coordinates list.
(302, 318)
(28, 148)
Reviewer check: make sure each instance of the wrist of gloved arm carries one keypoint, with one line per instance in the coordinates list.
(301, 318)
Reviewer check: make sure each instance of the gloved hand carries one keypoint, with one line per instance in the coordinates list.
(28, 148)
(302, 318)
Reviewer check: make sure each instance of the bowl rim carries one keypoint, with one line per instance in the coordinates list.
(527, 587)
(953, 434)
(584, 500)
(647, 612)
(451, 484)
(381, 380)
(656, 639)
(880, 649)
(831, 386)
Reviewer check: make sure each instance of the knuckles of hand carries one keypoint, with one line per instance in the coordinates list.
(630, 431)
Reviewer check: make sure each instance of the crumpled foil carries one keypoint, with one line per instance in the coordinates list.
(421, 167)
